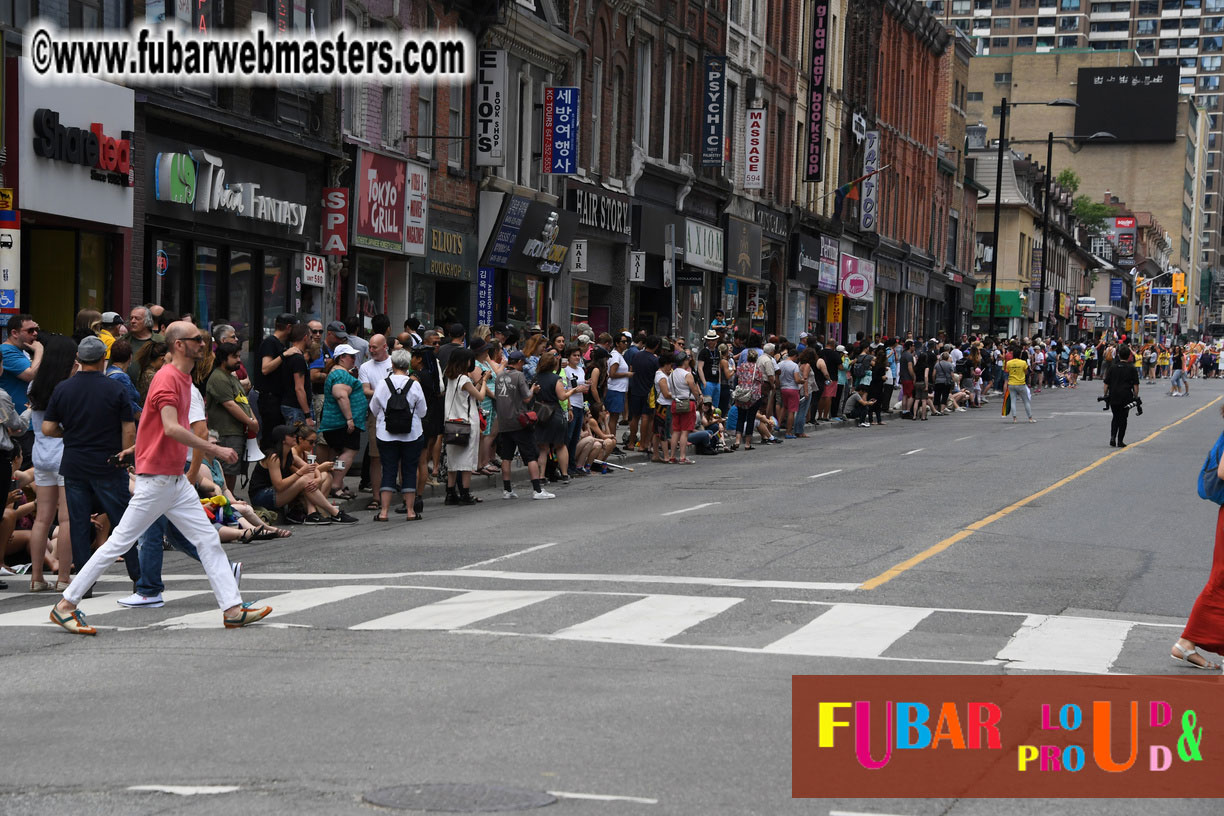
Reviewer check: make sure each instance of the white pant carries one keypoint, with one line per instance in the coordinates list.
(174, 498)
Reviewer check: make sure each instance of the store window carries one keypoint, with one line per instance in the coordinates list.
(580, 308)
(424, 302)
(241, 294)
(796, 313)
(525, 299)
(169, 273)
(51, 253)
(275, 288)
(204, 303)
(93, 274)
(369, 285)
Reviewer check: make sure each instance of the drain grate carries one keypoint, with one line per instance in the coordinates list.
(459, 798)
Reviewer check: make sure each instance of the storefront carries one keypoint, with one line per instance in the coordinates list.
(889, 297)
(697, 278)
(526, 250)
(1008, 309)
(650, 300)
(442, 282)
(596, 276)
(814, 277)
(857, 286)
(227, 235)
(743, 265)
(66, 246)
(790, 305)
(390, 216)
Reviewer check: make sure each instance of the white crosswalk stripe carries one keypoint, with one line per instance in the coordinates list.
(297, 600)
(653, 619)
(861, 631)
(459, 611)
(851, 630)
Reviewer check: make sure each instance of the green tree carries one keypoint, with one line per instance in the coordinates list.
(1092, 214)
(1068, 180)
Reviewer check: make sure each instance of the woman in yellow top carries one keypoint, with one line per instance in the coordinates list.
(1017, 385)
(1163, 358)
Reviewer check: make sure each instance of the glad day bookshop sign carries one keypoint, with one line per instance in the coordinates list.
(74, 149)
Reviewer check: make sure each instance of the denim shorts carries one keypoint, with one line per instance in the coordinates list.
(265, 497)
(614, 401)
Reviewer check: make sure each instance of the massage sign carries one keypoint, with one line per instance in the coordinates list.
(109, 159)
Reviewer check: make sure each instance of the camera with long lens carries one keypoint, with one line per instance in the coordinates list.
(1137, 404)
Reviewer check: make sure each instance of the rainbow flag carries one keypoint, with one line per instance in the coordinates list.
(1007, 406)
(850, 190)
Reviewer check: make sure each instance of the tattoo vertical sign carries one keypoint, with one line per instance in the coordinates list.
(816, 92)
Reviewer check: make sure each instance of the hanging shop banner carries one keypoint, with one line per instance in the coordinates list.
(754, 149)
(381, 189)
(743, 250)
(857, 278)
(833, 310)
(637, 267)
(416, 209)
(816, 92)
(507, 231)
(1115, 288)
(484, 296)
(560, 131)
(314, 270)
(703, 245)
(335, 220)
(869, 194)
(490, 115)
(829, 252)
(712, 125)
(807, 260)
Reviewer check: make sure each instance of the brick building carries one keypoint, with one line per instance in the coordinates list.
(893, 53)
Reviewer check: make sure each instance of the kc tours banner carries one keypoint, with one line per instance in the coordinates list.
(816, 92)
(714, 111)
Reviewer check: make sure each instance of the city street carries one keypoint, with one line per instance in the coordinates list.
(628, 647)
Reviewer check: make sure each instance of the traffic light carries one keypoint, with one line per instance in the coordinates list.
(1181, 297)
(1179, 282)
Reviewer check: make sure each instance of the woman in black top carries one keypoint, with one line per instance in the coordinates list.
(276, 483)
(552, 434)
(1121, 389)
(878, 391)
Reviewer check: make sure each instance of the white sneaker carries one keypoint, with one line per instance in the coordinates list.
(543, 494)
(961, 410)
(136, 600)
(509, 494)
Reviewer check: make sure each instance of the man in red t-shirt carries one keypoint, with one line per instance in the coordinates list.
(163, 489)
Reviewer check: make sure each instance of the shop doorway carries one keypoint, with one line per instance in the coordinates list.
(68, 261)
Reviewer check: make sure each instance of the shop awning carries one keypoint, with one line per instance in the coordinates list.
(1008, 303)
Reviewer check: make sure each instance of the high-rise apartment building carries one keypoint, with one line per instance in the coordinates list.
(1185, 33)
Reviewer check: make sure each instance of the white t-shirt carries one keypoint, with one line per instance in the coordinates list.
(618, 383)
(374, 372)
(378, 405)
(572, 377)
(956, 354)
(659, 398)
(196, 412)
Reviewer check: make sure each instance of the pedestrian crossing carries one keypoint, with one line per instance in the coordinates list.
(1011, 641)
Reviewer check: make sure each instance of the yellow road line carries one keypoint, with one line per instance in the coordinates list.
(961, 535)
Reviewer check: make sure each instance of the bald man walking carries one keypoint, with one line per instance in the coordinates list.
(162, 488)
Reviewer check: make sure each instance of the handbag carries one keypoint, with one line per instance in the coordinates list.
(458, 430)
(527, 419)
(1210, 487)
(680, 405)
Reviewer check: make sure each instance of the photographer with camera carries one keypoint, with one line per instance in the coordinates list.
(1121, 390)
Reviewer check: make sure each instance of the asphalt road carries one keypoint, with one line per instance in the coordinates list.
(634, 639)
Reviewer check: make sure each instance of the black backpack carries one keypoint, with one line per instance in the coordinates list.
(861, 366)
(398, 414)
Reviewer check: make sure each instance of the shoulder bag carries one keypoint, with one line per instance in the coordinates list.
(457, 430)
(680, 405)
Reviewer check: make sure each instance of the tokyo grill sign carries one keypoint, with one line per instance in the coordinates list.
(381, 194)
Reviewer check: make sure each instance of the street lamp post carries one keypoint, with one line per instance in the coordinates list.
(1004, 106)
(1045, 214)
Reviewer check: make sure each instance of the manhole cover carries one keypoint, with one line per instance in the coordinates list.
(459, 798)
